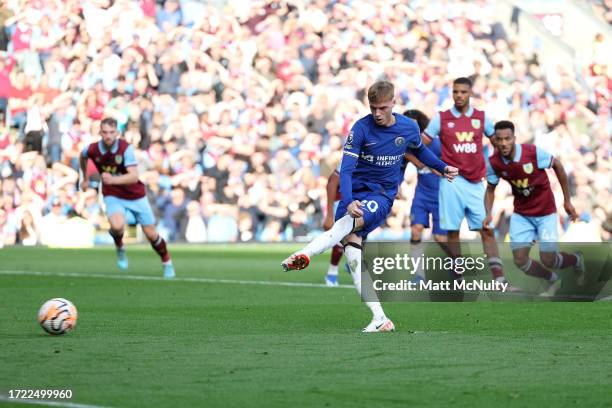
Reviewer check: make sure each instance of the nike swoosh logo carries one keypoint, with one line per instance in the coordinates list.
(380, 325)
(369, 144)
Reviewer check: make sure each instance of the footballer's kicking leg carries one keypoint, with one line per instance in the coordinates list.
(340, 229)
(159, 246)
(352, 250)
(344, 228)
(117, 228)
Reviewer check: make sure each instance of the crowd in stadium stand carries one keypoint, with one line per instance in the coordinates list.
(602, 9)
(239, 110)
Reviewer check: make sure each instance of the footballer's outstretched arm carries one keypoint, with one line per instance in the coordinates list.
(562, 177)
(430, 160)
(412, 159)
(489, 199)
(418, 164)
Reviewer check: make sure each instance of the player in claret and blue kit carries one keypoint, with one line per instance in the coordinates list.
(461, 130)
(535, 214)
(369, 181)
(123, 192)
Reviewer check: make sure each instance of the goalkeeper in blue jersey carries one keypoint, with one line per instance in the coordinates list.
(369, 181)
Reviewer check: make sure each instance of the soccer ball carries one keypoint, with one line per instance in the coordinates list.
(57, 316)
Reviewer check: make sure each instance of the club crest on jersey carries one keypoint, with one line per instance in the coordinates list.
(118, 159)
(528, 168)
(349, 141)
(451, 124)
(399, 141)
(476, 123)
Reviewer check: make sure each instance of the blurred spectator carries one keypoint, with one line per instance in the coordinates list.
(173, 209)
(28, 231)
(89, 208)
(35, 128)
(245, 227)
(170, 15)
(8, 229)
(603, 9)
(51, 223)
(6, 67)
(222, 225)
(196, 231)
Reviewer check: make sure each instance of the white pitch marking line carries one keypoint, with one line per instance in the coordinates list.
(178, 279)
(4, 398)
(605, 299)
(208, 280)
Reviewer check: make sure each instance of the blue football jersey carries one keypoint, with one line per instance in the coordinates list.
(373, 156)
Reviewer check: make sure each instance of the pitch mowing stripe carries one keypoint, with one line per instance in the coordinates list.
(179, 279)
(4, 398)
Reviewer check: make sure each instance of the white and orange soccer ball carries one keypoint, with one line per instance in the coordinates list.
(57, 316)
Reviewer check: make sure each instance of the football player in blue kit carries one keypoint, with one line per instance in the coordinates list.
(369, 181)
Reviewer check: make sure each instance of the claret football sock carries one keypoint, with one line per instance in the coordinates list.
(536, 269)
(336, 255)
(117, 237)
(563, 260)
(495, 265)
(159, 245)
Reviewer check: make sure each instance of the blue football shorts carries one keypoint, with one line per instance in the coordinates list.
(139, 209)
(458, 199)
(376, 207)
(524, 230)
(422, 207)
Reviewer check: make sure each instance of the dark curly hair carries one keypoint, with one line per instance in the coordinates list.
(421, 119)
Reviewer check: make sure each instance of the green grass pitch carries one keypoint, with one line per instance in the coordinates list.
(150, 342)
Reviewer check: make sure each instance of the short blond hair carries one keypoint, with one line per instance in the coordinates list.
(381, 91)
